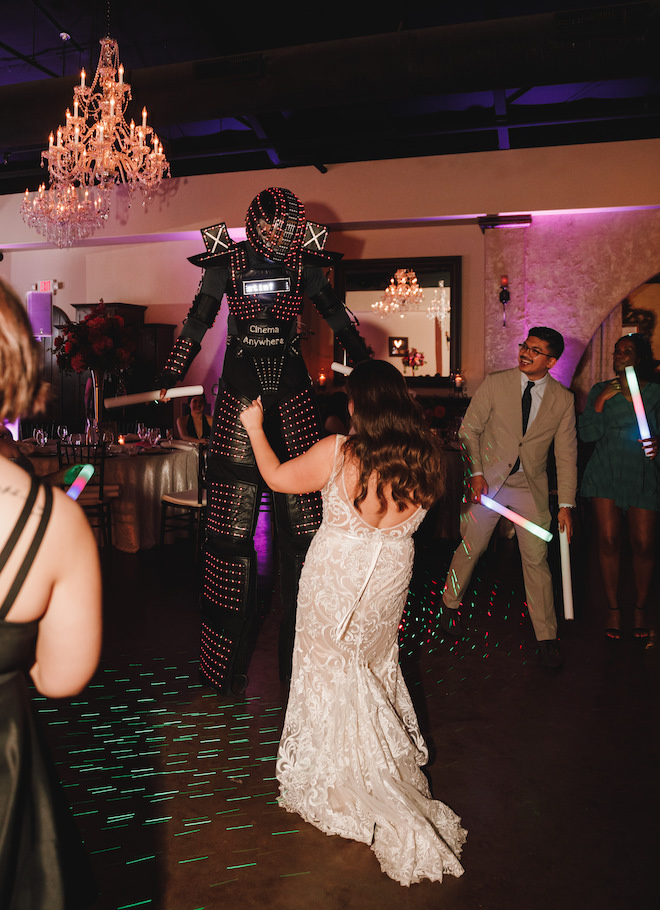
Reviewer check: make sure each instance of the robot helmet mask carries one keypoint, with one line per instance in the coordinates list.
(275, 223)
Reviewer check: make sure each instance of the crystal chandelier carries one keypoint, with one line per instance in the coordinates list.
(403, 295)
(93, 151)
(440, 306)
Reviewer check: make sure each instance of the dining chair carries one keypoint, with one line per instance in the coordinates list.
(97, 497)
(185, 509)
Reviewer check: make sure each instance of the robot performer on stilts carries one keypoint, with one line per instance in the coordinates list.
(264, 279)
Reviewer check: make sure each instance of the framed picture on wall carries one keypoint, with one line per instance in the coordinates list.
(398, 345)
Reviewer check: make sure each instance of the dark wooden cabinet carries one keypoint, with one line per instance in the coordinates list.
(153, 342)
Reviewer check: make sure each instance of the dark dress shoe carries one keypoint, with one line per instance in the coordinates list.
(549, 654)
(450, 623)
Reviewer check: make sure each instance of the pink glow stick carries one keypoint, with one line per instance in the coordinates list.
(80, 482)
(638, 404)
(516, 518)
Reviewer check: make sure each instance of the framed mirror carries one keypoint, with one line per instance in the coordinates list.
(426, 319)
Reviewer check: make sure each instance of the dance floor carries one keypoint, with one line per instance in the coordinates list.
(555, 774)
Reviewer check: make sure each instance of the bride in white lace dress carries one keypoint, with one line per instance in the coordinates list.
(351, 752)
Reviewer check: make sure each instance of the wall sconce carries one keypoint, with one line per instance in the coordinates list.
(505, 296)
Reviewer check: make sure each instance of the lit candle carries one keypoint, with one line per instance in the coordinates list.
(59, 138)
(82, 78)
(51, 139)
(638, 404)
(566, 582)
(121, 440)
(132, 128)
(144, 117)
(75, 108)
(516, 518)
(121, 73)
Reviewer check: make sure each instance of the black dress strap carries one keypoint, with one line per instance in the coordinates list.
(20, 524)
(26, 565)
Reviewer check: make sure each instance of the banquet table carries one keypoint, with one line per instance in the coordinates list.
(143, 478)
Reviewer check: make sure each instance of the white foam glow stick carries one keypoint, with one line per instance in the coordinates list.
(142, 397)
(341, 368)
(638, 404)
(566, 581)
(516, 518)
(80, 482)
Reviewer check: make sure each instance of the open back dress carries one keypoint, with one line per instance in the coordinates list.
(351, 752)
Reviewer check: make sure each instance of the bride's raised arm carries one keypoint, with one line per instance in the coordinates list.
(304, 474)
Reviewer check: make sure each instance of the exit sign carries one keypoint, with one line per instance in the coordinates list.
(46, 287)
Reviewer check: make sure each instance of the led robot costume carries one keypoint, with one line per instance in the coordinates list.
(264, 279)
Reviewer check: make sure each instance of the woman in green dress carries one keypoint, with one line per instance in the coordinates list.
(623, 476)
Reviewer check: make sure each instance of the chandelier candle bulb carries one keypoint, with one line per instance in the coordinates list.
(516, 518)
(638, 404)
(566, 582)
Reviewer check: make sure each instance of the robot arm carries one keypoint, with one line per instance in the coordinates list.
(201, 317)
(336, 315)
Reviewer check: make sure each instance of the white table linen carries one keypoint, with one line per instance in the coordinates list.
(142, 481)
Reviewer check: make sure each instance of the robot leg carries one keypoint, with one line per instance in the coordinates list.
(297, 518)
(229, 584)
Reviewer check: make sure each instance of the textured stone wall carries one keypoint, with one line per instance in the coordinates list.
(566, 271)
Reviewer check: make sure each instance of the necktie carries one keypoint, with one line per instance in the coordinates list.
(526, 408)
(526, 405)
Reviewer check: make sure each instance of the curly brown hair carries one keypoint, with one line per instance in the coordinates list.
(22, 389)
(391, 439)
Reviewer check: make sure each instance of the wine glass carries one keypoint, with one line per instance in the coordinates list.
(142, 431)
(62, 432)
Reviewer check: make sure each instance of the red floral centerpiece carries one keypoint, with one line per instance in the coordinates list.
(413, 358)
(99, 343)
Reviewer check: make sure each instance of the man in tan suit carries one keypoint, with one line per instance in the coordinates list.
(513, 419)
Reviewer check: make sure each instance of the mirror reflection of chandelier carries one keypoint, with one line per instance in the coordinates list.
(440, 306)
(94, 150)
(403, 295)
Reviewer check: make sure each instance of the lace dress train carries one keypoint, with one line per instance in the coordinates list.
(351, 752)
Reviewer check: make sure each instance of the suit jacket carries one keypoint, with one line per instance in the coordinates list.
(492, 436)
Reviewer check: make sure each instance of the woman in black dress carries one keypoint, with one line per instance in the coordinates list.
(50, 631)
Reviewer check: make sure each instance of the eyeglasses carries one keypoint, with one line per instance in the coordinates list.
(524, 347)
